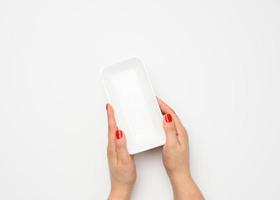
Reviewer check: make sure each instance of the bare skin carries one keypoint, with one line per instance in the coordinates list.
(175, 156)
(121, 164)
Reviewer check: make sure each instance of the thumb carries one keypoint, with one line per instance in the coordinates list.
(121, 147)
(170, 130)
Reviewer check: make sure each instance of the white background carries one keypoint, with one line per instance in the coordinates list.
(215, 62)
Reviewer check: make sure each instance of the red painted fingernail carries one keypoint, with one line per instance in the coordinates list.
(168, 118)
(107, 106)
(119, 134)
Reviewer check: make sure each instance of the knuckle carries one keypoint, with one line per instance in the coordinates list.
(125, 160)
(110, 151)
(119, 145)
(169, 126)
(170, 130)
(171, 145)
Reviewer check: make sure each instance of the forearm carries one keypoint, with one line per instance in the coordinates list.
(184, 188)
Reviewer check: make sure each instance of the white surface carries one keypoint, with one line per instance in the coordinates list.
(136, 110)
(216, 62)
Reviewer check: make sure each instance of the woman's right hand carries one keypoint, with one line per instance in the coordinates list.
(176, 156)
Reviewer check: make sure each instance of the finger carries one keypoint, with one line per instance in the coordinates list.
(121, 148)
(170, 130)
(112, 128)
(165, 108)
(182, 134)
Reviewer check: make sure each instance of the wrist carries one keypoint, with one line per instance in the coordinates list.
(180, 178)
(120, 193)
(184, 186)
(179, 175)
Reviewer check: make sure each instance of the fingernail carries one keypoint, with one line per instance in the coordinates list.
(106, 106)
(168, 118)
(119, 134)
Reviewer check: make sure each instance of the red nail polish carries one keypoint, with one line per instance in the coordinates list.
(168, 118)
(119, 134)
(106, 106)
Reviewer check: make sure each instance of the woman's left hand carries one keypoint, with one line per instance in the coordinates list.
(121, 164)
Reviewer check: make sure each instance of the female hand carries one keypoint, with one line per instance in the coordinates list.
(176, 156)
(121, 164)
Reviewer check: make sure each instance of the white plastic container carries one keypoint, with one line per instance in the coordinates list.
(137, 112)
